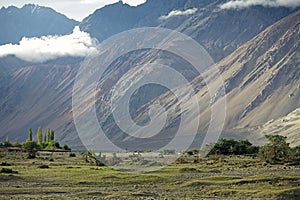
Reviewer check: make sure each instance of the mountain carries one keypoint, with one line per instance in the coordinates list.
(262, 82)
(32, 21)
(257, 56)
(219, 31)
(266, 71)
(104, 22)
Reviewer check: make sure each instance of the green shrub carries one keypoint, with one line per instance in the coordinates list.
(192, 152)
(295, 155)
(31, 147)
(66, 147)
(8, 171)
(72, 154)
(276, 151)
(234, 147)
(43, 167)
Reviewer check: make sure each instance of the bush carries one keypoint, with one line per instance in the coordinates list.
(192, 152)
(296, 155)
(233, 147)
(277, 151)
(8, 171)
(31, 147)
(43, 167)
(16, 144)
(72, 155)
(66, 147)
(53, 145)
(5, 164)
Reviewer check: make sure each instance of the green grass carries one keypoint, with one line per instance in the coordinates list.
(224, 178)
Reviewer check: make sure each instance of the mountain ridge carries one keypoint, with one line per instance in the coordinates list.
(32, 21)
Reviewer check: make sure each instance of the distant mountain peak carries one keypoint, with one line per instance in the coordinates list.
(33, 7)
(32, 20)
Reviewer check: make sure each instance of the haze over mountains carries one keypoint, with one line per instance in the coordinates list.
(256, 50)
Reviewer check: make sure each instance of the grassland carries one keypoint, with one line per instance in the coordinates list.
(230, 177)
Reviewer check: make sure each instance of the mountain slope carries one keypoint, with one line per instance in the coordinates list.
(32, 21)
(37, 95)
(262, 78)
(262, 81)
(266, 71)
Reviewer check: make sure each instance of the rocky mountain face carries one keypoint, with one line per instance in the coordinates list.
(262, 83)
(258, 62)
(262, 77)
(32, 21)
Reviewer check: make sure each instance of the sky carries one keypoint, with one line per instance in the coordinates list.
(75, 9)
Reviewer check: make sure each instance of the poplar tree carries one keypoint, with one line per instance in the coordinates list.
(49, 135)
(29, 135)
(40, 135)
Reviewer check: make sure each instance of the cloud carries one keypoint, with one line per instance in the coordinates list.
(179, 13)
(76, 44)
(240, 4)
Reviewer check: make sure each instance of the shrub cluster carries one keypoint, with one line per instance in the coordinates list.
(277, 151)
(234, 147)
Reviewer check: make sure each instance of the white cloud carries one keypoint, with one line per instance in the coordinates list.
(179, 13)
(76, 44)
(240, 4)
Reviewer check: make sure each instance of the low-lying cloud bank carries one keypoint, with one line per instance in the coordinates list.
(179, 13)
(76, 44)
(240, 4)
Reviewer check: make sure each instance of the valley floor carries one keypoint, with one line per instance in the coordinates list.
(211, 178)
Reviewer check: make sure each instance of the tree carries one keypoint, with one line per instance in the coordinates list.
(49, 135)
(7, 142)
(31, 147)
(276, 151)
(52, 135)
(45, 138)
(29, 139)
(40, 135)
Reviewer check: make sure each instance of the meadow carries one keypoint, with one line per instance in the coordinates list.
(213, 177)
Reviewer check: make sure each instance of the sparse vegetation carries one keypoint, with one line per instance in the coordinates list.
(232, 170)
(232, 177)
